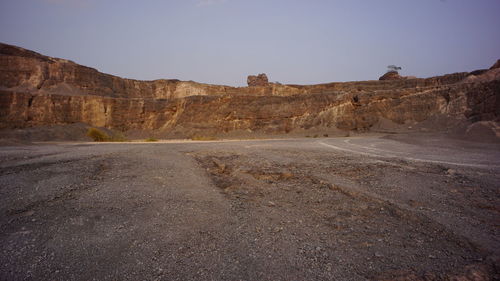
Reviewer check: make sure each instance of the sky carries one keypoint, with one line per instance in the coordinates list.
(292, 41)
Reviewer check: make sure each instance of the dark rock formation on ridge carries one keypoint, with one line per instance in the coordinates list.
(391, 75)
(496, 65)
(258, 80)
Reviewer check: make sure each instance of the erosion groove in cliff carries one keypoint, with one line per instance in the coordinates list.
(37, 90)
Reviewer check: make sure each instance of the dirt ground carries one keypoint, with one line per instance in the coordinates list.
(396, 207)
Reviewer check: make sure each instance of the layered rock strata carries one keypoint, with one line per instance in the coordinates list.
(37, 90)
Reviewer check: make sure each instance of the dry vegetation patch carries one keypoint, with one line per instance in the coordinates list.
(101, 136)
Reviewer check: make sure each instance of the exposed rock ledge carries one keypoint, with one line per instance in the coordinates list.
(38, 90)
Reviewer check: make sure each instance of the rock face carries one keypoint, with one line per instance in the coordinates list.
(391, 75)
(37, 90)
(258, 80)
(485, 75)
(496, 65)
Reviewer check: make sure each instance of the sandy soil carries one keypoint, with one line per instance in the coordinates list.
(362, 208)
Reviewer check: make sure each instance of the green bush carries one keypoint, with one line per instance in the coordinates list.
(151, 139)
(97, 135)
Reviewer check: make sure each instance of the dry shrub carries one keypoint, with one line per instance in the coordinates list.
(97, 135)
(203, 138)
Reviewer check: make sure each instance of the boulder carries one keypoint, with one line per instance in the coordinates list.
(258, 80)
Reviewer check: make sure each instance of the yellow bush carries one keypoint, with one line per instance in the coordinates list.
(97, 135)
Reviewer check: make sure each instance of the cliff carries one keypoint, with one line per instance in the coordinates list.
(37, 90)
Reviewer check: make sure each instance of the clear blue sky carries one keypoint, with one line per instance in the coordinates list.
(293, 41)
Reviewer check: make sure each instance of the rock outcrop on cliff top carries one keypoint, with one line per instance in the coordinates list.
(257, 80)
(391, 75)
(37, 90)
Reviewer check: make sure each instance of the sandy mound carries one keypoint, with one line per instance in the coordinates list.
(73, 132)
(483, 131)
(386, 125)
(435, 123)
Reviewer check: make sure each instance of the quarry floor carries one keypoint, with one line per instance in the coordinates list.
(400, 207)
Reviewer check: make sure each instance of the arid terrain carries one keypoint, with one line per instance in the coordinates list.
(389, 179)
(398, 207)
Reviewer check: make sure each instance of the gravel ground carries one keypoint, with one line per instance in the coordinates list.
(364, 208)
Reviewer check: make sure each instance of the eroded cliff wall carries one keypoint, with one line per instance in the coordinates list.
(37, 90)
